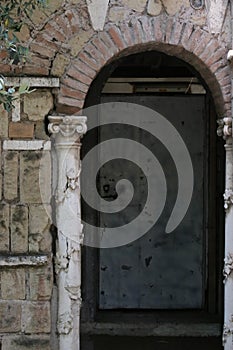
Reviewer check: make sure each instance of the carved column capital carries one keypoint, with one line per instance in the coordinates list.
(224, 127)
(68, 126)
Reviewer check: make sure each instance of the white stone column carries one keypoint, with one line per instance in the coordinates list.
(225, 130)
(67, 131)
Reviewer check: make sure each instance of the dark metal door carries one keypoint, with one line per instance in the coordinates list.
(159, 270)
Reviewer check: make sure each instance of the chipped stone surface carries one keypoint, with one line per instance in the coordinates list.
(172, 7)
(19, 229)
(59, 65)
(10, 317)
(11, 175)
(39, 227)
(117, 14)
(35, 179)
(41, 283)
(23, 260)
(3, 123)
(23, 342)
(22, 145)
(154, 7)
(137, 5)
(97, 11)
(4, 227)
(38, 104)
(77, 42)
(13, 284)
(36, 317)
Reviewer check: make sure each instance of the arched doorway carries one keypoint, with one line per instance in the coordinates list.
(140, 314)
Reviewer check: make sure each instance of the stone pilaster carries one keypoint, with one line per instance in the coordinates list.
(67, 132)
(225, 130)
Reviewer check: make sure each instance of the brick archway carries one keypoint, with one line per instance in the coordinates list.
(169, 35)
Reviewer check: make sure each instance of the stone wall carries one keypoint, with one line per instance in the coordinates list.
(73, 40)
(26, 273)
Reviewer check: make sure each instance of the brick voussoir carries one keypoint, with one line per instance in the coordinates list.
(67, 101)
(74, 73)
(75, 84)
(116, 36)
(73, 93)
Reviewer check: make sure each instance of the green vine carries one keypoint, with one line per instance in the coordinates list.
(13, 14)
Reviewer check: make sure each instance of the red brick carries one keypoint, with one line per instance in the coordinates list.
(222, 73)
(216, 56)
(168, 29)
(83, 68)
(158, 33)
(75, 84)
(42, 50)
(203, 42)
(135, 32)
(73, 19)
(64, 25)
(91, 50)
(139, 32)
(32, 70)
(212, 46)
(5, 68)
(113, 49)
(46, 41)
(193, 40)
(225, 81)
(147, 28)
(188, 29)
(21, 130)
(128, 38)
(55, 33)
(217, 65)
(68, 110)
(176, 33)
(38, 61)
(69, 92)
(70, 101)
(102, 48)
(84, 57)
(74, 73)
(117, 38)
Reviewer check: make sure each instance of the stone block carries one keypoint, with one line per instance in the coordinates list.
(10, 317)
(36, 317)
(4, 227)
(35, 179)
(23, 342)
(154, 7)
(11, 175)
(40, 131)
(117, 14)
(172, 7)
(78, 41)
(13, 284)
(21, 130)
(59, 65)
(41, 283)
(24, 34)
(39, 228)
(137, 5)
(3, 123)
(38, 104)
(19, 229)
